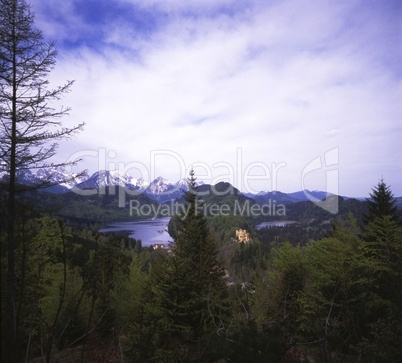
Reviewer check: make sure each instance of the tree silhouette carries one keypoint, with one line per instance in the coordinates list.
(383, 251)
(190, 289)
(29, 122)
(382, 203)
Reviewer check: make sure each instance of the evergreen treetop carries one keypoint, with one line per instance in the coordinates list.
(382, 203)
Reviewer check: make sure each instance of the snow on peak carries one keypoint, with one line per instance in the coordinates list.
(159, 185)
(100, 179)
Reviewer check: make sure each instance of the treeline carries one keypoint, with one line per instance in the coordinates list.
(83, 296)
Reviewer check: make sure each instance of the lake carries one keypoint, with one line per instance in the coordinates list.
(274, 224)
(149, 231)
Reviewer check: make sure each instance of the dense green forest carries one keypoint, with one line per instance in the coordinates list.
(324, 289)
(290, 294)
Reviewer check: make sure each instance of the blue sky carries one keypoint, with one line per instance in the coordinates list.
(268, 95)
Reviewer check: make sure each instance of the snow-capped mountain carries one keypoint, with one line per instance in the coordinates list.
(163, 191)
(59, 179)
(61, 176)
(182, 184)
(160, 189)
(108, 178)
(142, 183)
(63, 180)
(159, 185)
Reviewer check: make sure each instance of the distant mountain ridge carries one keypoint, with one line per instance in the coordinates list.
(160, 189)
(106, 178)
(288, 198)
(60, 180)
(99, 198)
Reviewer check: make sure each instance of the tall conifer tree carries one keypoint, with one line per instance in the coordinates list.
(193, 241)
(190, 287)
(383, 250)
(382, 230)
(382, 203)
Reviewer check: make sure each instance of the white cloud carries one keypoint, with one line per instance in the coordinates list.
(283, 82)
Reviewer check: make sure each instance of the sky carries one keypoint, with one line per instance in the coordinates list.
(268, 95)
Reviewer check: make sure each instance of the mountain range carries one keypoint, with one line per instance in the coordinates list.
(160, 189)
(103, 202)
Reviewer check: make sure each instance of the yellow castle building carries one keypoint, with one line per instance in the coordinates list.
(243, 236)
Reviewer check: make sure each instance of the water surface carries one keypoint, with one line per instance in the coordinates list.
(149, 231)
(274, 224)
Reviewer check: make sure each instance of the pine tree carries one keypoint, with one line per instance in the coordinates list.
(193, 241)
(382, 203)
(381, 230)
(383, 256)
(190, 289)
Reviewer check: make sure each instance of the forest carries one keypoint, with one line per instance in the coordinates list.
(316, 292)
(282, 297)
